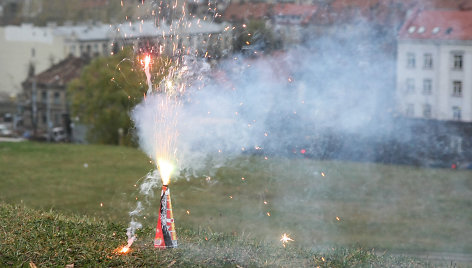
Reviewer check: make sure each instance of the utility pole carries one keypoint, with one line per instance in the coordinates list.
(48, 113)
(34, 108)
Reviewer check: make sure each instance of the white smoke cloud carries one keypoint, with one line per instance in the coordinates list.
(273, 101)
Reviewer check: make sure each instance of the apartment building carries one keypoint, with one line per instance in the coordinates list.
(434, 66)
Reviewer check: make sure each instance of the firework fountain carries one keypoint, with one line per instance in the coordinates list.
(157, 116)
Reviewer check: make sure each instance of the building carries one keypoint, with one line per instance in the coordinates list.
(43, 101)
(290, 21)
(86, 40)
(434, 65)
(26, 49)
(30, 49)
(241, 12)
(194, 36)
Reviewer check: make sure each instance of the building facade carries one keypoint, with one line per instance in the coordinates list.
(434, 66)
(43, 102)
(24, 49)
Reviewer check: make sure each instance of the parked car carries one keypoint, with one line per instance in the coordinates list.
(59, 134)
(5, 131)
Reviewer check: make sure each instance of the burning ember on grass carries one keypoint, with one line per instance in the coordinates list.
(285, 239)
(124, 250)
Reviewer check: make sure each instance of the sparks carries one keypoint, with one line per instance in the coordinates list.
(285, 239)
(169, 84)
(124, 250)
(165, 169)
(147, 60)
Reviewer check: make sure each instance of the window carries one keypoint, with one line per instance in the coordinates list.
(72, 49)
(457, 61)
(455, 144)
(57, 98)
(427, 111)
(33, 52)
(428, 61)
(427, 86)
(56, 119)
(410, 109)
(456, 113)
(410, 60)
(410, 85)
(44, 96)
(457, 88)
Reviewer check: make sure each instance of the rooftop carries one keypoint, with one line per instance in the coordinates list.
(305, 12)
(242, 11)
(60, 74)
(438, 25)
(28, 33)
(142, 28)
(85, 32)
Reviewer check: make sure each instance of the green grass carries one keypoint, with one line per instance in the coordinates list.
(51, 239)
(392, 208)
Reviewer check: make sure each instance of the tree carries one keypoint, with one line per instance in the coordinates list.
(105, 93)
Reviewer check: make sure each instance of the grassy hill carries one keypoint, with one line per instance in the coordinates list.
(51, 239)
(323, 205)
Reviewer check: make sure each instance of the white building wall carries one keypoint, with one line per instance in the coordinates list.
(442, 75)
(22, 45)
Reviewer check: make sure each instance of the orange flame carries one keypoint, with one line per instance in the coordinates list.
(122, 250)
(147, 60)
(165, 169)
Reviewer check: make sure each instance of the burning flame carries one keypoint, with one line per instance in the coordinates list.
(147, 60)
(124, 250)
(165, 169)
(285, 239)
(169, 84)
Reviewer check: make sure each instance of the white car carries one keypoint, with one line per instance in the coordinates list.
(5, 131)
(58, 134)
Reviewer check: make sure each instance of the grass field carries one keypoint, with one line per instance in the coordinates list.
(322, 205)
(31, 238)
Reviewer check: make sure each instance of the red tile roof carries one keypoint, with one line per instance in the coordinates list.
(305, 11)
(246, 11)
(60, 74)
(342, 11)
(438, 25)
